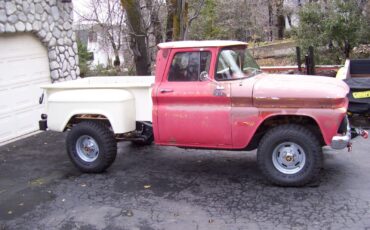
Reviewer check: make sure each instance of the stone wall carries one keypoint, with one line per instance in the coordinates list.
(51, 21)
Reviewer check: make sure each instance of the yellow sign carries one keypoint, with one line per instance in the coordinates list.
(364, 94)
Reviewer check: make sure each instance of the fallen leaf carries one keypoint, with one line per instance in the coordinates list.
(147, 186)
(37, 182)
(128, 213)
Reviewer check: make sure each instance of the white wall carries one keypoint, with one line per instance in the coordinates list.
(102, 53)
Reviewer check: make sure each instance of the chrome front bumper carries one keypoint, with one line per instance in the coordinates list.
(342, 141)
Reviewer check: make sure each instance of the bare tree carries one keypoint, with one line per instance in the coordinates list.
(138, 36)
(171, 10)
(178, 20)
(153, 17)
(110, 19)
(153, 24)
(276, 19)
(197, 8)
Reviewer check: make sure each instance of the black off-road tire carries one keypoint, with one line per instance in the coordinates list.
(296, 134)
(105, 140)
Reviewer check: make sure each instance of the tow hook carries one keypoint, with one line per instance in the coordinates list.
(364, 134)
(360, 132)
(357, 132)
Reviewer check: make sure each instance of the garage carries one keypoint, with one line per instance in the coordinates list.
(24, 66)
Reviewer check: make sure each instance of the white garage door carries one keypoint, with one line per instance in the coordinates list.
(24, 66)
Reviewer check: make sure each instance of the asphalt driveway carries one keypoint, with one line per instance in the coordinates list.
(169, 188)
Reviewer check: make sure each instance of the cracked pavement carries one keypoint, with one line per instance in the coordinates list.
(156, 187)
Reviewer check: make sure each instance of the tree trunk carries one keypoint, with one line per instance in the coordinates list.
(137, 36)
(281, 27)
(280, 19)
(290, 20)
(156, 27)
(347, 49)
(177, 19)
(171, 8)
(117, 61)
(183, 15)
(271, 20)
(176, 30)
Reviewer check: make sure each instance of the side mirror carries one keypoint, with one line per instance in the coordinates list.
(204, 76)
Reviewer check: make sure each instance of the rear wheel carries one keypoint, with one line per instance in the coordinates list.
(91, 146)
(290, 155)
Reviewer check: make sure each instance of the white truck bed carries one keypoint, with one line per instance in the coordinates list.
(105, 82)
(122, 100)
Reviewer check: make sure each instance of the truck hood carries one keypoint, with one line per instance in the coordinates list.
(297, 91)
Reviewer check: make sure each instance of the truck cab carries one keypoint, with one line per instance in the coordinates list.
(193, 91)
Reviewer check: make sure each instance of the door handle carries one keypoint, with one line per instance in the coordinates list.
(166, 90)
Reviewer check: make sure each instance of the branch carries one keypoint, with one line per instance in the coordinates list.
(197, 12)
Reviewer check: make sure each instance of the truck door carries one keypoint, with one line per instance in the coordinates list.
(191, 112)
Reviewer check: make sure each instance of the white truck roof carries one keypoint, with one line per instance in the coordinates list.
(200, 44)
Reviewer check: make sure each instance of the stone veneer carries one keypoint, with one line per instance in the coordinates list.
(51, 21)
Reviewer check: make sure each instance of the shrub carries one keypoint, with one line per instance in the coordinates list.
(333, 29)
(84, 57)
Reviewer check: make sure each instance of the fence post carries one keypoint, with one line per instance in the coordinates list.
(299, 62)
(312, 60)
(307, 63)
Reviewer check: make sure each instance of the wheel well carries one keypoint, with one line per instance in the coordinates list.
(274, 121)
(87, 117)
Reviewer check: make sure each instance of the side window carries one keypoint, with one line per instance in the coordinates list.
(228, 62)
(187, 66)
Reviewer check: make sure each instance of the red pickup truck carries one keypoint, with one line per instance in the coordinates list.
(210, 95)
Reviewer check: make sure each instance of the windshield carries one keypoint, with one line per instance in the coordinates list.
(235, 63)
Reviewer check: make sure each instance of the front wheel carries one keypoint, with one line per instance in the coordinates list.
(290, 155)
(91, 146)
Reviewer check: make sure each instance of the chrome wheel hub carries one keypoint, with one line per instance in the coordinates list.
(87, 148)
(288, 158)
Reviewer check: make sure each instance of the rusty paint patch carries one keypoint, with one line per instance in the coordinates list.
(246, 123)
(172, 141)
(270, 102)
(241, 102)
